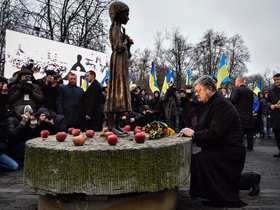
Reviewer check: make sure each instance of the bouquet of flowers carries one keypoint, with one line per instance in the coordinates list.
(158, 129)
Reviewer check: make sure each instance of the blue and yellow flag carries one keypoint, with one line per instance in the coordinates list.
(153, 83)
(84, 85)
(189, 76)
(258, 88)
(168, 79)
(222, 74)
(105, 78)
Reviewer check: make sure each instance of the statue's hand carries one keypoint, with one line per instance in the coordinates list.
(130, 41)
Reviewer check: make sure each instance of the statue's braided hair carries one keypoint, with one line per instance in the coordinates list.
(116, 8)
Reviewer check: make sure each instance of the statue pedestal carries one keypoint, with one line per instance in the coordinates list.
(125, 176)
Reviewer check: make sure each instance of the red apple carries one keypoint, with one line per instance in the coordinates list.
(112, 139)
(70, 130)
(44, 134)
(140, 137)
(126, 129)
(61, 136)
(137, 130)
(108, 133)
(90, 133)
(76, 132)
(79, 140)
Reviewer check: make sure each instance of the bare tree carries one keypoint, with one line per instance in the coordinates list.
(237, 54)
(78, 22)
(13, 15)
(159, 50)
(177, 54)
(207, 52)
(140, 65)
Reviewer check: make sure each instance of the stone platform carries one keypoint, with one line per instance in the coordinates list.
(145, 175)
(14, 196)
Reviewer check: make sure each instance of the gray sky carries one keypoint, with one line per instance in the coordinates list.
(258, 22)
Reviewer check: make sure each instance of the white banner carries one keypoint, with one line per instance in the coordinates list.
(51, 55)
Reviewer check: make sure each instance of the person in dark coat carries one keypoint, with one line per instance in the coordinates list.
(188, 116)
(156, 105)
(69, 102)
(6, 162)
(171, 105)
(24, 92)
(92, 103)
(50, 89)
(274, 104)
(216, 169)
(242, 98)
(20, 128)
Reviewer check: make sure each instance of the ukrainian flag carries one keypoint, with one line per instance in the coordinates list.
(153, 83)
(258, 88)
(84, 85)
(189, 76)
(223, 74)
(105, 78)
(169, 77)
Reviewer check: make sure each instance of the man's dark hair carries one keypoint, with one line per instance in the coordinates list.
(3, 80)
(92, 73)
(276, 75)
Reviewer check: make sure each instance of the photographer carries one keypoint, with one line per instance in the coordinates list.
(20, 128)
(49, 120)
(6, 162)
(24, 92)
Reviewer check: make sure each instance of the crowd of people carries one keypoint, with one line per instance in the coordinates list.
(212, 117)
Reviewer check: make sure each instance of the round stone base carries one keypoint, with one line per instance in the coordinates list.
(164, 200)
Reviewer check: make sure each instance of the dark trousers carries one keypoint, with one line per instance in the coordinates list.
(95, 125)
(276, 132)
(250, 137)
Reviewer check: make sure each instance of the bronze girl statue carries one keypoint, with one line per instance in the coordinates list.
(118, 98)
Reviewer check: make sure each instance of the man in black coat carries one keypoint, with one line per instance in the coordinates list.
(242, 98)
(92, 103)
(274, 104)
(50, 89)
(216, 170)
(69, 102)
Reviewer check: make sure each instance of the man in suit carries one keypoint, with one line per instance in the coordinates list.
(274, 105)
(242, 98)
(92, 103)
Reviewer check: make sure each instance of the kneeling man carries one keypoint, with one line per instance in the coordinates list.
(216, 170)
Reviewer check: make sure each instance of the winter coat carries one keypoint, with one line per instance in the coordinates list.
(242, 98)
(274, 98)
(216, 170)
(69, 104)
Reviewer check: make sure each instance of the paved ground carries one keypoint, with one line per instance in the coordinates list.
(13, 195)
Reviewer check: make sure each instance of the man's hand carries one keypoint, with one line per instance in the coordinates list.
(24, 119)
(186, 132)
(88, 117)
(275, 106)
